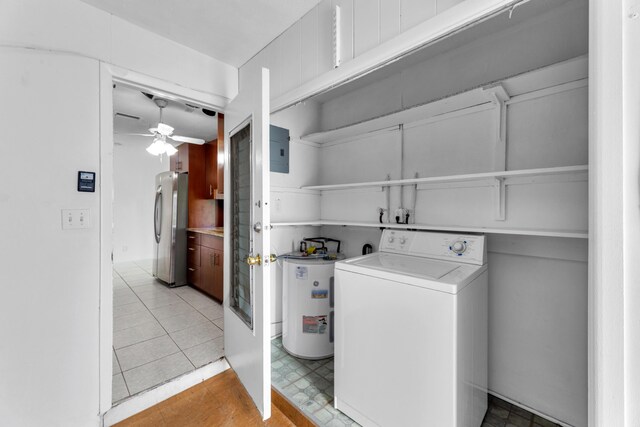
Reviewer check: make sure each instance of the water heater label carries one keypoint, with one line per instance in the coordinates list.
(302, 273)
(314, 324)
(319, 294)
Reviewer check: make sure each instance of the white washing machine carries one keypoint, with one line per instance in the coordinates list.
(307, 304)
(411, 331)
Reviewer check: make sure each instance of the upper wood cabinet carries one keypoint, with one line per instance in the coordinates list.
(191, 158)
(214, 152)
(179, 162)
(220, 159)
(205, 165)
(211, 168)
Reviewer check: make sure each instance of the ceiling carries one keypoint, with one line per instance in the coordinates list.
(231, 31)
(186, 119)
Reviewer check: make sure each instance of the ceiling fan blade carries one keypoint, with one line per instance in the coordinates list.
(136, 134)
(164, 129)
(179, 138)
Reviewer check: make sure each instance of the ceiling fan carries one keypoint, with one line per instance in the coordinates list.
(163, 131)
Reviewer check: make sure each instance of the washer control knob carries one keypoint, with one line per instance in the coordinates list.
(390, 239)
(403, 240)
(459, 247)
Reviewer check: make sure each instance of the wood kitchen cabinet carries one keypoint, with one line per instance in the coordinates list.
(191, 158)
(205, 263)
(206, 270)
(219, 194)
(179, 162)
(205, 166)
(218, 286)
(193, 259)
(211, 169)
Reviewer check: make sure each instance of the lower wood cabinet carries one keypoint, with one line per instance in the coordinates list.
(205, 263)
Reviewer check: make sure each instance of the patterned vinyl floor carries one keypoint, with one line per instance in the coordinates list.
(308, 384)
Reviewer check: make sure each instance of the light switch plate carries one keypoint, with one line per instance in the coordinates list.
(76, 218)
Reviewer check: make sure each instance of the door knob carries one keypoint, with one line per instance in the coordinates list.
(254, 260)
(273, 257)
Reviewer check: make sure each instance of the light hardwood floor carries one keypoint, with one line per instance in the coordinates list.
(219, 401)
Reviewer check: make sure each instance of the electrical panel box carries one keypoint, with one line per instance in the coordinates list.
(279, 149)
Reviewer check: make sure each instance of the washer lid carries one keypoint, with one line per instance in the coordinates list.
(438, 275)
(413, 266)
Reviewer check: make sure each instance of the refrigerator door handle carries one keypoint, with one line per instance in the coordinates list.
(157, 216)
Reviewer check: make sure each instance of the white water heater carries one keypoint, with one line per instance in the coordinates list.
(307, 305)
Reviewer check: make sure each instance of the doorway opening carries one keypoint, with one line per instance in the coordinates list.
(163, 329)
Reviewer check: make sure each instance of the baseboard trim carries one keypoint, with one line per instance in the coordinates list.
(292, 412)
(147, 399)
(527, 408)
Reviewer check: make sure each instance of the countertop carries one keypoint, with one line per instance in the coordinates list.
(213, 231)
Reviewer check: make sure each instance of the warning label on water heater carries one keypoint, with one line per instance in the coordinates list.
(319, 294)
(314, 324)
(302, 273)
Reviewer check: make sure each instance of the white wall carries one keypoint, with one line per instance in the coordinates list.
(614, 272)
(353, 238)
(549, 38)
(538, 324)
(631, 195)
(545, 130)
(49, 356)
(372, 32)
(75, 27)
(134, 172)
(288, 202)
(50, 55)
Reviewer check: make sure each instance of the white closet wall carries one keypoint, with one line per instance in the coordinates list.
(288, 201)
(544, 40)
(304, 51)
(538, 324)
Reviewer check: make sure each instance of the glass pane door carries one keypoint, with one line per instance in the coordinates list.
(241, 243)
(247, 314)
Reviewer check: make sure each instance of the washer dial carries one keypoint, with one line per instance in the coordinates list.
(458, 247)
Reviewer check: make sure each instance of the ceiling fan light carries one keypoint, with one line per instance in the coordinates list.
(170, 149)
(156, 148)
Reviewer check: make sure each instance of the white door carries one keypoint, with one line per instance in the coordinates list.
(247, 288)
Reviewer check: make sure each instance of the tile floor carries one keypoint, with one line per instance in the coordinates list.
(159, 333)
(308, 384)
(504, 414)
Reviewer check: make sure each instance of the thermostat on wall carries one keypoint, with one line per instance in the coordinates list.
(87, 181)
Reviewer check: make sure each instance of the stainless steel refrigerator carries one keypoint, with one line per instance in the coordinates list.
(170, 228)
